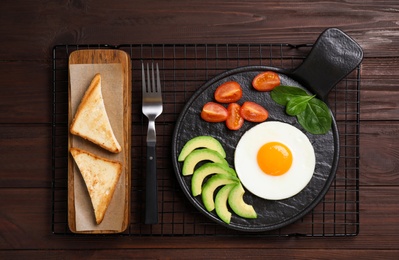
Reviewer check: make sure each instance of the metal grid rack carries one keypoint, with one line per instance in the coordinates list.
(184, 68)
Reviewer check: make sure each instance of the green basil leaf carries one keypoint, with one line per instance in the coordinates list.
(282, 94)
(316, 118)
(297, 105)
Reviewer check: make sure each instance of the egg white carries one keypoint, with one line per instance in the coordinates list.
(274, 187)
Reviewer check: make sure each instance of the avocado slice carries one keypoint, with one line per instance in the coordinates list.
(200, 155)
(211, 185)
(203, 141)
(205, 170)
(221, 203)
(238, 205)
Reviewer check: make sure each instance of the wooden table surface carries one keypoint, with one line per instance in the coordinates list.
(29, 31)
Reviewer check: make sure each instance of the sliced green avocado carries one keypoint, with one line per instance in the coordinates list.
(205, 170)
(203, 141)
(211, 185)
(221, 203)
(200, 155)
(238, 205)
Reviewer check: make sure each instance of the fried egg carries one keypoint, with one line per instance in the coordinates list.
(274, 160)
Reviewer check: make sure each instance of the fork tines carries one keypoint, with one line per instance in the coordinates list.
(152, 108)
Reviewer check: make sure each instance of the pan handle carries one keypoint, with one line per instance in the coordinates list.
(333, 56)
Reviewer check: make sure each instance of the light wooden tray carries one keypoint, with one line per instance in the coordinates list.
(103, 59)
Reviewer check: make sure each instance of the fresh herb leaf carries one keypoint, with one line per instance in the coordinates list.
(312, 113)
(283, 94)
(316, 118)
(297, 105)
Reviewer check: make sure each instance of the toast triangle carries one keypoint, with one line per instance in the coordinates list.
(91, 120)
(100, 176)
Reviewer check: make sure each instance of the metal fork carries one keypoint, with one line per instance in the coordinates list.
(152, 108)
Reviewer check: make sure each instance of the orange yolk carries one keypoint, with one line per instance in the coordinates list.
(274, 158)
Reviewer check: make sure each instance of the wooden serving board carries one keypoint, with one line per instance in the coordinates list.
(115, 69)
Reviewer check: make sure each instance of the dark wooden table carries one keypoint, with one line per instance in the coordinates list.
(32, 206)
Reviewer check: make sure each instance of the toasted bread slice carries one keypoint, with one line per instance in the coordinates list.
(91, 120)
(101, 176)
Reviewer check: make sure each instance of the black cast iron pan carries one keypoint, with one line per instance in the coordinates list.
(333, 56)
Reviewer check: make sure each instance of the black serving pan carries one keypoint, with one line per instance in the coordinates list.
(333, 56)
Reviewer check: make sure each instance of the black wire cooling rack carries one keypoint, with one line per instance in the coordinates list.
(184, 68)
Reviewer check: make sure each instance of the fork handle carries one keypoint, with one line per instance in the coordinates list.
(151, 208)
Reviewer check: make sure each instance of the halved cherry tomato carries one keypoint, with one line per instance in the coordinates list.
(234, 120)
(228, 92)
(253, 112)
(214, 112)
(266, 81)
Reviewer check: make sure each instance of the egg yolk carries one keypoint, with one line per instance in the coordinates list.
(274, 158)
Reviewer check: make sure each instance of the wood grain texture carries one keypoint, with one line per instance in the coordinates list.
(24, 156)
(25, 224)
(379, 95)
(379, 154)
(372, 24)
(104, 57)
(30, 29)
(254, 253)
(25, 92)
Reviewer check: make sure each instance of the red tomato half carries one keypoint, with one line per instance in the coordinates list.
(266, 81)
(228, 92)
(253, 112)
(214, 112)
(234, 120)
